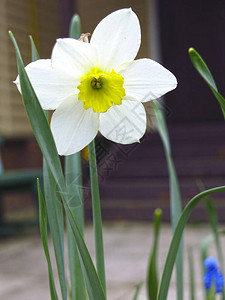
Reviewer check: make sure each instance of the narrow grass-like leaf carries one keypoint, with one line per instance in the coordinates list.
(137, 292)
(56, 223)
(97, 218)
(35, 56)
(205, 73)
(204, 254)
(45, 140)
(73, 172)
(54, 209)
(44, 238)
(75, 27)
(213, 219)
(170, 260)
(38, 121)
(152, 275)
(34, 53)
(206, 243)
(94, 287)
(175, 198)
(203, 70)
(191, 275)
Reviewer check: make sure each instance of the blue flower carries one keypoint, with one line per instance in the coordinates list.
(219, 282)
(213, 275)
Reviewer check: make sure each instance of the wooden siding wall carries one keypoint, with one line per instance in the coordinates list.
(39, 18)
(91, 12)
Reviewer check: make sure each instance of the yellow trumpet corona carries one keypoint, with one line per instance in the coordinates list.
(100, 90)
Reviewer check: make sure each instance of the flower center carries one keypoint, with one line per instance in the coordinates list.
(96, 83)
(100, 90)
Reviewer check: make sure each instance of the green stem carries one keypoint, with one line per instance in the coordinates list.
(152, 275)
(73, 174)
(191, 274)
(175, 197)
(97, 218)
(211, 294)
(73, 170)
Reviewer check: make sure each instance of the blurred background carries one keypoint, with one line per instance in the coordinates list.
(134, 178)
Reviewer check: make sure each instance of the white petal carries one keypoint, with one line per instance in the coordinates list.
(74, 56)
(73, 127)
(118, 38)
(125, 123)
(146, 80)
(51, 85)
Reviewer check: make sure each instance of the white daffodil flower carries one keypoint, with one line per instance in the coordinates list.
(98, 86)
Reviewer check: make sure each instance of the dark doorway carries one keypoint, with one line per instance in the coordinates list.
(201, 25)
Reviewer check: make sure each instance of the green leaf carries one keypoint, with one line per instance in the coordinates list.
(204, 254)
(204, 249)
(175, 198)
(34, 53)
(56, 223)
(35, 56)
(203, 70)
(170, 260)
(94, 287)
(97, 218)
(137, 292)
(73, 172)
(54, 209)
(38, 121)
(75, 27)
(45, 140)
(191, 274)
(152, 275)
(213, 219)
(44, 238)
